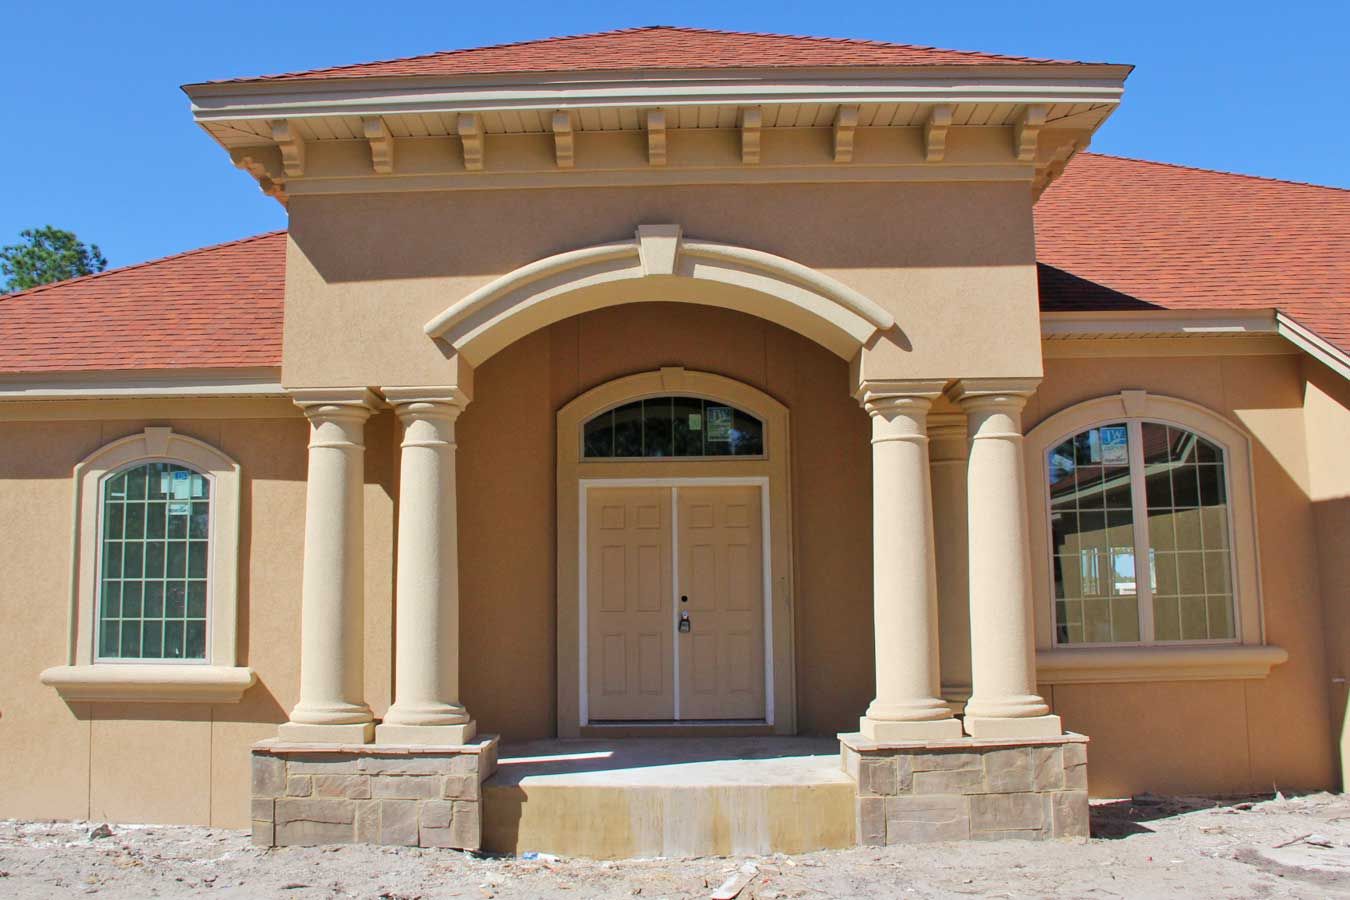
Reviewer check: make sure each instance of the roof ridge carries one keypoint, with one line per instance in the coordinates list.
(1184, 167)
(689, 29)
(139, 265)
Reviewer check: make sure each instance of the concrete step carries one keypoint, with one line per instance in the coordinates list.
(620, 799)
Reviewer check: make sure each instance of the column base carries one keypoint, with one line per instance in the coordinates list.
(302, 733)
(1000, 728)
(427, 735)
(888, 731)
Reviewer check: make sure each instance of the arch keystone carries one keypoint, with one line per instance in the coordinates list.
(658, 246)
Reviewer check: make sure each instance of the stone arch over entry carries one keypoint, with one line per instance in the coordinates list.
(660, 264)
(768, 471)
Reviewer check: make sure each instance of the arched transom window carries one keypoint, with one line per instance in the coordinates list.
(1141, 535)
(672, 427)
(154, 566)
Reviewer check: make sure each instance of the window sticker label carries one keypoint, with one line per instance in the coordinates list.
(719, 423)
(182, 485)
(695, 421)
(1115, 449)
(179, 509)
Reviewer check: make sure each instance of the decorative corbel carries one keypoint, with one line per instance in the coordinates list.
(1026, 130)
(381, 144)
(291, 146)
(244, 159)
(470, 129)
(845, 123)
(935, 133)
(751, 120)
(563, 146)
(656, 137)
(1055, 167)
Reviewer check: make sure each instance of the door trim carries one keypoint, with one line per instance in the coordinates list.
(774, 465)
(766, 586)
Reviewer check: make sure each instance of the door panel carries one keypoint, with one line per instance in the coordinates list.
(721, 572)
(630, 622)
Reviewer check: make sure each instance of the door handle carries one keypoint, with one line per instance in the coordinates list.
(685, 624)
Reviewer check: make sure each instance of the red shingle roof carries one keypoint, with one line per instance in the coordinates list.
(217, 307)
(663, 47)
(1113, 234)
(1116, 233)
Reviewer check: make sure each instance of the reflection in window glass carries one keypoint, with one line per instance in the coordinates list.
(1188, 531)
(154, 562)
(672, 427)
(1093, 509)
(1092, 524)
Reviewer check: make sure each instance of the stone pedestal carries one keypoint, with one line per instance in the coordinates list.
(968, 789)
(413, 796)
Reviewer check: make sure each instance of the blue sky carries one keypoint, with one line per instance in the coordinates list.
(1240, 86)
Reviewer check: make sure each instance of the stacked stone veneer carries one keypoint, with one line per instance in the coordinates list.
(308, 794)
(967, 789)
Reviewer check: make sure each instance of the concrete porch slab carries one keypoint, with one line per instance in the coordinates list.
(669, 797)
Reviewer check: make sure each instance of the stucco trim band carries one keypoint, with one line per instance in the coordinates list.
(150, 683)
(1104, 665)
(567, 284)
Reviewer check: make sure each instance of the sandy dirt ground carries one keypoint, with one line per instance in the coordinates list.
(1147, 847)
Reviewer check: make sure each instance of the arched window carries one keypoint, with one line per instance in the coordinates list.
(154, 552)
(672, 427)
(154, 598)
(1141, 535)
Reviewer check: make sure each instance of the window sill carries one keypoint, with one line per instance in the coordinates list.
(1214, 662)
(153, 683)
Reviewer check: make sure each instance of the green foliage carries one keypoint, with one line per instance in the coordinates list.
(47, 254)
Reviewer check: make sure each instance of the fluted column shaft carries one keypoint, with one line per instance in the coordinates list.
(426, 707)
(1004, 702)
(904, 578)
(331, 706)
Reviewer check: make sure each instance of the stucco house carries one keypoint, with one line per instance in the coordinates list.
(679, 383)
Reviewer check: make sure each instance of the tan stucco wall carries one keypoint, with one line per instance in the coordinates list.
(161, 762)
(1327, 420)
(172, 763)
(508, 521)
(952, 261)
(1218, 736)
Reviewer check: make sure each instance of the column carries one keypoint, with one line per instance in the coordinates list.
(1004, 703)
(904, 580)
(947, 452)
(426, 707)
(331, 708)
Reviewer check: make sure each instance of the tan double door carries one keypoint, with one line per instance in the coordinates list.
(674, 599)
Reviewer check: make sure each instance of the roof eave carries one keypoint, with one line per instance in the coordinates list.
(375, 96)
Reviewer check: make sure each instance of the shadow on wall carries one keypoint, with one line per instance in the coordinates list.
(1331, 520)
(471, 234)
(258, 706)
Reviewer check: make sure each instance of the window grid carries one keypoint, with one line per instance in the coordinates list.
(154, 544)
(672, 427)
(1188, 594)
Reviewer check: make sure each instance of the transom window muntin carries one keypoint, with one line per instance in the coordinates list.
(1134, 488)
(672, 427)
(154, 563)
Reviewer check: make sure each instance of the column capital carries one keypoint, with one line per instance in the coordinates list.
(876, 395)
(947, 438)
(325, 403)
(996, 393)
(436, 395)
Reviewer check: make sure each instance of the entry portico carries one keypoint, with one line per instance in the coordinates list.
(652, 420)
(678, 535)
